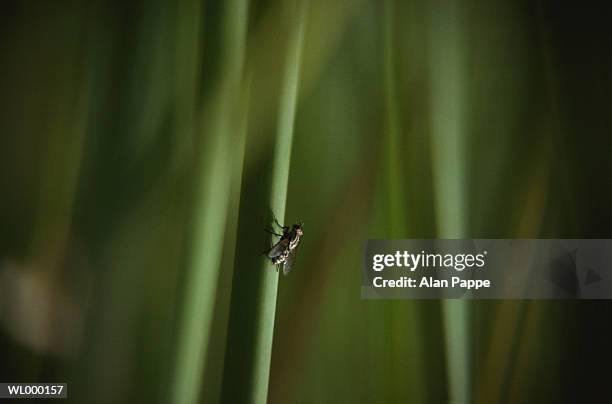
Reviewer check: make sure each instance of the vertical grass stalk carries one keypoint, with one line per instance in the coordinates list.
(404, 320)
(449, 160)
(266, 306)
(213, 372)
(211, 212)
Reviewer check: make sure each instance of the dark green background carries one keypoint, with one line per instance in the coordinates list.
(415, 119)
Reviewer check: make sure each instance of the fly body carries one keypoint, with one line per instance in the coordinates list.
(283, 252)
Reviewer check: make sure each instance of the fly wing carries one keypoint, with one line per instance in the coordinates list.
(278, 248)
(289, 261)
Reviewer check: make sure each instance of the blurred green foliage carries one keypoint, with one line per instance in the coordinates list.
(137, 149)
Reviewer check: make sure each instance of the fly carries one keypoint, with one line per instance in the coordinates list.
(283, 252)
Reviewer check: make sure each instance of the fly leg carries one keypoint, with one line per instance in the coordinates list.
(273, 233)
(285, 228)
(268, 245)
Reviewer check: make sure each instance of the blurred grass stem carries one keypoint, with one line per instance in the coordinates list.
(449, 171)
(211, 212)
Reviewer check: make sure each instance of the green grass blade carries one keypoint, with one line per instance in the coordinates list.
(278, 196)
(449, 161)
(211, 213)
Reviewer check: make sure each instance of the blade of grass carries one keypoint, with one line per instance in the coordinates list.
(278, 197)
(255, 282)
(405, 213)
(213, 372)
(449, 158)
(404, 320)
(210, 216)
